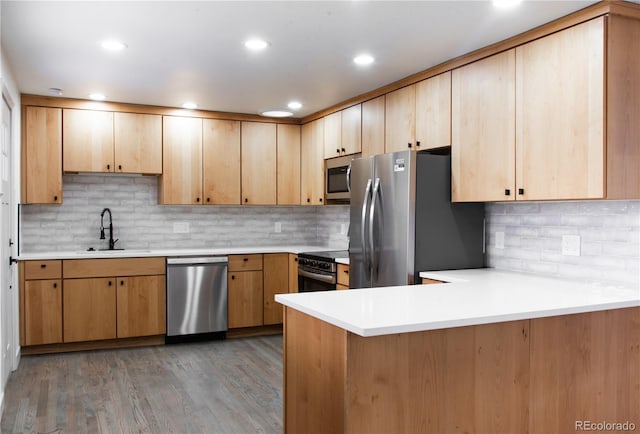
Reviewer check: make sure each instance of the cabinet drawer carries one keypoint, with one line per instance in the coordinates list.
(343, 274)
(245, 262)
(35, 270)
(77, 268)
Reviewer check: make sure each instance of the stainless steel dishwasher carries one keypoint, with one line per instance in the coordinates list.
(196, 297)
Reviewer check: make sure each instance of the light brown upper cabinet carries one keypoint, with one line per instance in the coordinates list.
(483, 129)
(181, 180)
(42, 156)
(433, 112)
(312, 163)
(258, 163)
(138, 143)
(548, 133)
(88, 141)
(288, 170)
(221, 161)
(560, 115)
(400, 119)
(342, 132)
(108, 142)
(373, 126)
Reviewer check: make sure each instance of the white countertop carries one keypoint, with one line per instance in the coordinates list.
(344, 261)
(135, 253)
(477, 296)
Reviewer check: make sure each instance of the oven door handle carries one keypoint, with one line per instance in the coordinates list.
(326, 278)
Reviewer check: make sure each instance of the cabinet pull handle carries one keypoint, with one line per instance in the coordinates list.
(345, 271)
(507, 192)
(122, 283)
(245, 259)
(119, 166)
(55, 198)
(521, 191)
(208, 199)
(110, 283)
(295, 259)
(409, 144)
(198, 199)
(338, 150)
(246, 200)
(344, 150)
(417, 143)
(308, 200)
(55, 285)
(320, 199)
(108, 166)
(43, 265)
(233, 277)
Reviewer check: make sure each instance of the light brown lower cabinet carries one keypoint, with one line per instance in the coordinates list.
(43, 312)
(245, 299)
(141, 306)
(89, 309)
(343, 277)
(276, 281)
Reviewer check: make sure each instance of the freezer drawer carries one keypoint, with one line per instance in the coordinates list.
(196, 295)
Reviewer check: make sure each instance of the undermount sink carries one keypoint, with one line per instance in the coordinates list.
(112, 252)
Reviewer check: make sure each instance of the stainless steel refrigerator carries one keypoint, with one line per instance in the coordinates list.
(402, 220)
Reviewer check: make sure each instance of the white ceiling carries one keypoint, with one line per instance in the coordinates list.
(179, 51)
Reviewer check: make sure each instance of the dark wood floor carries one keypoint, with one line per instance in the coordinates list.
(232, 386)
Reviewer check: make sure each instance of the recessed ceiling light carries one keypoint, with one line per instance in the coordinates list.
(294, 105)
(256, 44)
(55, 91)
(363, 59)
(190, 105)
(113, 45)
(505, 3)
(97, 96)
(276, 113)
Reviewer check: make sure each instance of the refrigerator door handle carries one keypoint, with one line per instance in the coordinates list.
(372, 216)
(349, 178)
(363, 222)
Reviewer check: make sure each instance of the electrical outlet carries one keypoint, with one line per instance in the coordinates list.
(499, 240)
(343, 228)
(571, 245)
(181, 228)
(278, 227)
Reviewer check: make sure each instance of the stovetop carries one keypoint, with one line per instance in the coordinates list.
(329, 256)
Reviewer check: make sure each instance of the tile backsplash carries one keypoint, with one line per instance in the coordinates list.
(140, 223)
(609, 239)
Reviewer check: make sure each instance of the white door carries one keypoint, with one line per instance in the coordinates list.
(7, 292)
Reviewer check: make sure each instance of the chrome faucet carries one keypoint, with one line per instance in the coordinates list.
(112, 242)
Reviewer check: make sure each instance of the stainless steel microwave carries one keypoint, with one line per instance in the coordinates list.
(337, 178)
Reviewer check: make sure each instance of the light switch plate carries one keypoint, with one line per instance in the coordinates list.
(181, 228)
(278, 227)
(571, 245)
(499, 240)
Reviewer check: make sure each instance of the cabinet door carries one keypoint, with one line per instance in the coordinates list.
(373, 120)
(560, 141)
(288, 165)
(312, 163)
(221, 162)
(42, 155)
(89, 309)
(138, 143)
(433, 112)
(483, 130)
(141, 306)
(276, 281)
(258, 163)
(181, 180)
(293, 273)
(333, 135)
(43, 312)
(400, 119)
(351, 130)
(88, 141)
(245, 299)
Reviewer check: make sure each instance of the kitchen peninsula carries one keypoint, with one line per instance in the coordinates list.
(491, 351)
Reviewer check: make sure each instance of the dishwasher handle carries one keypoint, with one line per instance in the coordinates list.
(197, 261)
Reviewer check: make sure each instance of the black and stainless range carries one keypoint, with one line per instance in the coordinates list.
(317, 271)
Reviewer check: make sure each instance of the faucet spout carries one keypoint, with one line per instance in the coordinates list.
(112, 242)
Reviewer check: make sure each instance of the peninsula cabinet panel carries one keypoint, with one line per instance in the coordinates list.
(293, 272)
(258, 163)
(433, 112)
(88, 141)
(276, 281)
(138, 143)
(288, 170)
(141, 306)
(43, 312)
(333, 135)
(351, 130)
(245, 299)
(400, 119)
(560, 144)
(89, 309)
(483, 130)
(42, 155)
(312, 163)
(221, 161)
(181, 180)
(373, 120)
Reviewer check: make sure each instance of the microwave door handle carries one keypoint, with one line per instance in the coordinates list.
(372, 217)
(363, 223)
(349, 178)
